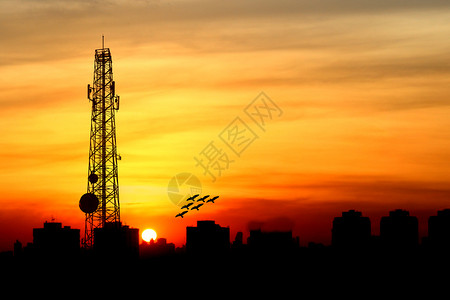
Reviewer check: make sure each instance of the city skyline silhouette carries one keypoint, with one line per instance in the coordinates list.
(320, 126)
(350, 232)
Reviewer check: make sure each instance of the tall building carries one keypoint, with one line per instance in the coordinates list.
(115, 239)
(207, 238)
(351, 230)
(439, 230)
(55, 240)
(399, 230)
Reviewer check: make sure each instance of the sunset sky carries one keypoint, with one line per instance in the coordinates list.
(363, 86)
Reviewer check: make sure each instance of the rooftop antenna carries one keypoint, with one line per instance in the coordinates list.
(103, 41)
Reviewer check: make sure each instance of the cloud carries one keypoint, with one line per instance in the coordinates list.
(296, 190)
(47, 30)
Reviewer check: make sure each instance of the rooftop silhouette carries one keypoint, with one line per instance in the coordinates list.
(351, 231)
(116, 240)
(272, 241)
(207, 238)
(209, 242)
(55, 240)
(157, 248)
(439, 230)
(399, 230)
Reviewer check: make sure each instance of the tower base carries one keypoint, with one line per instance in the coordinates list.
(116, 240)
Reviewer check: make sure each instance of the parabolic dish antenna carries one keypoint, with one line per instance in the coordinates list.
(88, 203)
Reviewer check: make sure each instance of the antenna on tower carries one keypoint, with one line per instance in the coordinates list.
(101, 201)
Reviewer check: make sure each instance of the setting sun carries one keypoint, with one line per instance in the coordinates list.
(149, 234)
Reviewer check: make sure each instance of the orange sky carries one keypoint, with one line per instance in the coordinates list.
(363, 87)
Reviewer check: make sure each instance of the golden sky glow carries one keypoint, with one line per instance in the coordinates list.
(363, 86)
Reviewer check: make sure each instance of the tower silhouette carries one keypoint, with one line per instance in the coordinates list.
(101, 202)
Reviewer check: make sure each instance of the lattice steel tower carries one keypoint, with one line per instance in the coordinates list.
(101, 202)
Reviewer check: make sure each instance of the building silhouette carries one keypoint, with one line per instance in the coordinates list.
(207, 238)
(439, 230)
(271, 241)
(158, 248)
(238, 242)
(399, 230)
(54, 240)
(115, 239)
(18, 250)
(351, 231)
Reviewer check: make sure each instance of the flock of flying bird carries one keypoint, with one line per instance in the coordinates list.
(191, 201)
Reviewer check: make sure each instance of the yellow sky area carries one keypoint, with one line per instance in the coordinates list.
(162, 125)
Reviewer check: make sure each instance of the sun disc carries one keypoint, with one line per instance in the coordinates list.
(149, 234)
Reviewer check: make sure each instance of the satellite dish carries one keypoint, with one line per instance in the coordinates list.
(88, 203)
(93, 178)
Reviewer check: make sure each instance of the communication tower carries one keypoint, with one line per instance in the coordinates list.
(101, 202)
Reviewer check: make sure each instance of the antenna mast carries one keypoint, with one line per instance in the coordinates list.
(101, 202)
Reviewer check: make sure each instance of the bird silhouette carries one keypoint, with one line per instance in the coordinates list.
(212, 199)
(203, 198)
(192, 198)
(197, 206)
(181, 214)
(187, 205)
